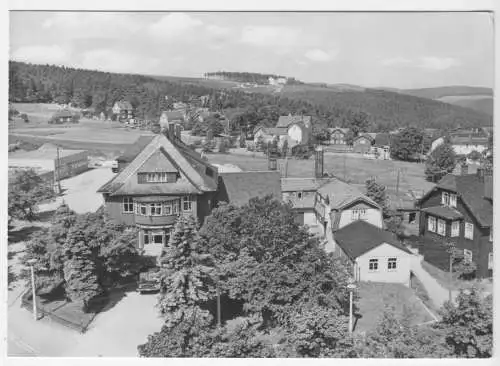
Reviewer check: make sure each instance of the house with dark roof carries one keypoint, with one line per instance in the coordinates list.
(123, 110)
(362, 144)
(163, 180)
(338, 135)
(238, 188)
(376, 254)
(459, 209)
(169, 117)
(298, 127)
(63, 116)
(301, 194)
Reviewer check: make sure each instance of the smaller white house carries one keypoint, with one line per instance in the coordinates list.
(376, 254)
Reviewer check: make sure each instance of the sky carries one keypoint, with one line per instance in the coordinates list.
(399, 50)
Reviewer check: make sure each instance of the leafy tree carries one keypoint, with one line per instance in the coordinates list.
(80, 273)
(377, 192)
(260, 144)
(441, 161)
(121, 258)
(359, 123)
(284, 148)
(468, 324)
(26, 191)
(187, 274)
(407, 144)
(395, 338)
(474, 155)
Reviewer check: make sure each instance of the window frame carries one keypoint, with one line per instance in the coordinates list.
(374, 262)
(127, 202)
(441, 227)
(470, 232)
(467, 255)
(155, 209)
(167, 208)
(189, 201)
(358, 214)
(392, 264)
(143, 206)
(455, 229)
(431, 228)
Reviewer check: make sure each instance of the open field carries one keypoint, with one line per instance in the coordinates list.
(357, 170)
(374, 297)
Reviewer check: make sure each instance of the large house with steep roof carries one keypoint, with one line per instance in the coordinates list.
(164, 180)
(298, 128)
(459, 209)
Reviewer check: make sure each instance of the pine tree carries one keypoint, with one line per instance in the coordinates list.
(80, 271)
(186, 278)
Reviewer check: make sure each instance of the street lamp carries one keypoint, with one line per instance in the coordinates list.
(31, 263)
(351, 287)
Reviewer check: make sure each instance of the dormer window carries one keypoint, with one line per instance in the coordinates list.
(158, 177)
(449, 199)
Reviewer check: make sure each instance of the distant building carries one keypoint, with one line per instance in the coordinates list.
(63, 116)
(338, 135)
(175, 117)
(123, 110)
(298, 127)
(362, 144)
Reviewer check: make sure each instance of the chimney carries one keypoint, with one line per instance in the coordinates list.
(272, 164)
(318, 163)
(171, 131)
(178, 131)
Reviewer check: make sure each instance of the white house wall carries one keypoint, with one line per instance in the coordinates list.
(296, 133)
(372, 216)
(383, 252)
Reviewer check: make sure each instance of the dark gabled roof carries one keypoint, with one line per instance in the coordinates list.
(63, 113)
(471, 190)
(134, 149)
(341, 194)
(382, 139)
(285, 121)
(124, 104)
(238, 188)
(194, 172)
(360, 237)
(302, 184)
(444, 212)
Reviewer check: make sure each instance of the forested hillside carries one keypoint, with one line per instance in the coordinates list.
(86, 88)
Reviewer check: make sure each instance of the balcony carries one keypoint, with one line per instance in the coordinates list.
(156, 220)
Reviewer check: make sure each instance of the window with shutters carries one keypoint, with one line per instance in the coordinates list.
(455, 228)
(441, 227)
(469, 231)
(373, 265)
(431, 224)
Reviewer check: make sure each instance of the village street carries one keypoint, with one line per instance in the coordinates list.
(110, 333)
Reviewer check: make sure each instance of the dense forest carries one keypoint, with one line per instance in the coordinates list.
(248, 77)
(100, 90)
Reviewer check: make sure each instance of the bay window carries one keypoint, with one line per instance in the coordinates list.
(155, 209)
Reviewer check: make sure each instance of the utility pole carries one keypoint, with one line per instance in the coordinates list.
(58, 171)
(397, 184)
